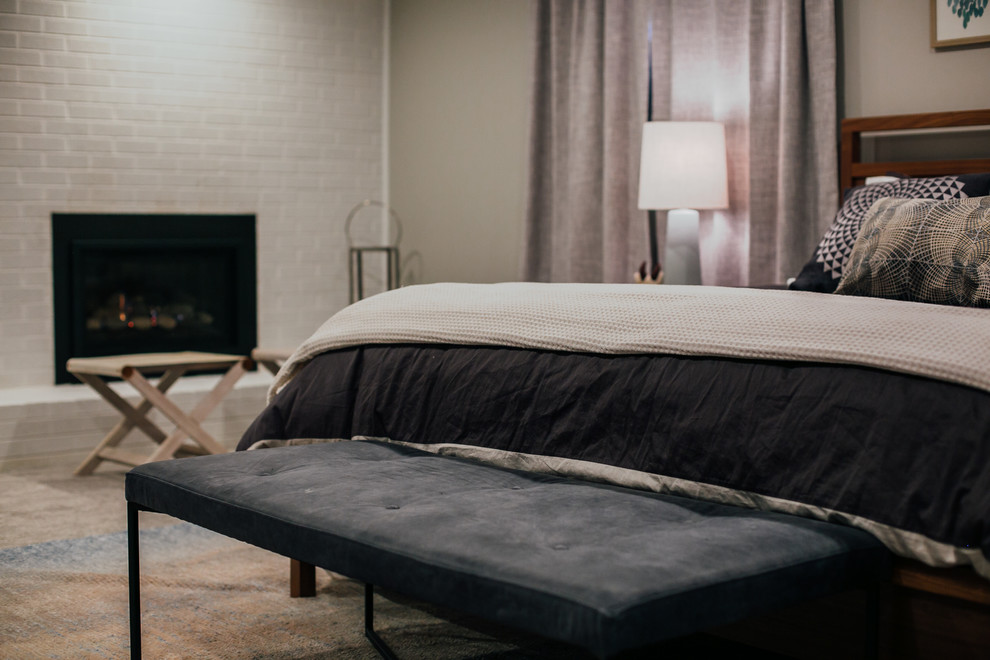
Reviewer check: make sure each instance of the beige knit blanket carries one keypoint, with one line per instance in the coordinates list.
(942, 342)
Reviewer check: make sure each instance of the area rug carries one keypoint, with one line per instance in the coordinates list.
(208, 596)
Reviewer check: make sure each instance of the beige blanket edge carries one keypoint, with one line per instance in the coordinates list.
(935, 341)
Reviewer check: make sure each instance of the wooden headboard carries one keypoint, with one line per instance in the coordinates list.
(960, 582)
(852, 171)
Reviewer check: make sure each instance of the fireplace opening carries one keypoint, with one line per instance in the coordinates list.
(152, 283)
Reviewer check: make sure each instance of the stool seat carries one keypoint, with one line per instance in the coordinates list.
(117, 365)
(271, 358)
(172, 366)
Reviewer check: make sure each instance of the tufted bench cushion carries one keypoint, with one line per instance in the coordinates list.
(602, 567)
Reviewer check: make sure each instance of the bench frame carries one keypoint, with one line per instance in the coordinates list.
(870, 640)
(175, 490)
(134, 591)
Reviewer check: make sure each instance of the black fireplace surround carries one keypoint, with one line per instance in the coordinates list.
(152, 283)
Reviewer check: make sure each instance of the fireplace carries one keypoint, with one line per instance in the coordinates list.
(152, 283)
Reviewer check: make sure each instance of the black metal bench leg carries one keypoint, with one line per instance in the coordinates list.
(369, 625)
(871, 650)
(134, 579)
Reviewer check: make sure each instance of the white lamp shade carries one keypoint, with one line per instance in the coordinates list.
(682, 165)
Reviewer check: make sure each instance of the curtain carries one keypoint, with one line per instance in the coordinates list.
(765, 68)
(589, 101)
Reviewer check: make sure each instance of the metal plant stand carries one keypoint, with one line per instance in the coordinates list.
(393, 232)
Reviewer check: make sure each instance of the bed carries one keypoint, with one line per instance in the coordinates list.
(870, 409)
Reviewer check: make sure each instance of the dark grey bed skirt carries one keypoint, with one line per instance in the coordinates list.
(905, 452)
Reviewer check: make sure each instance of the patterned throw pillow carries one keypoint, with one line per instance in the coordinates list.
(923, 250)
(822, 273)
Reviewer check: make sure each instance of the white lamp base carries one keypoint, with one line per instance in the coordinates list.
(681, 257)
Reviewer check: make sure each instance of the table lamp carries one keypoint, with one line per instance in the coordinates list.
(682, 169)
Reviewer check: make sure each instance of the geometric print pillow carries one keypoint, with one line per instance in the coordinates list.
(923, 250)
(823, 271)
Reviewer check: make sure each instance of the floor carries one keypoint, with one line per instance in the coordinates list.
(41, 500)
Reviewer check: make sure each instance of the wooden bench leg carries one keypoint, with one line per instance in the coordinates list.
(302, 579)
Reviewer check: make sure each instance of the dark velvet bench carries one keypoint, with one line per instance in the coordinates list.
(601, 567)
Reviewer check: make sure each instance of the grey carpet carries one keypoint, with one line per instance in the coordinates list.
(63, 591)
(206, 596)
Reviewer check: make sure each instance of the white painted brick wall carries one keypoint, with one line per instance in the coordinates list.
(272, 107)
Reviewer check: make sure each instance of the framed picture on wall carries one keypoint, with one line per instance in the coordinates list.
(960, 23)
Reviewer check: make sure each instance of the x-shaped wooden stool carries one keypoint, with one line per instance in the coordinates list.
(173, 366)
(271, 358)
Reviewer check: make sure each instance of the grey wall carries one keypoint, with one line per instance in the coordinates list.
(458, 135)
(459, 87)
(890, 68)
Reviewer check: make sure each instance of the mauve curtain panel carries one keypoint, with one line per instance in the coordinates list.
(765, 68)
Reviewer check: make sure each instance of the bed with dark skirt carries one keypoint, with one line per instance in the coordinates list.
(867, 407)
(769, 399)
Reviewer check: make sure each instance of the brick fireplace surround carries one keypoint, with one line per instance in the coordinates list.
(265, 107)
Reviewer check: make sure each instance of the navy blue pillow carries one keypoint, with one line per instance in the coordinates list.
(824, 270)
